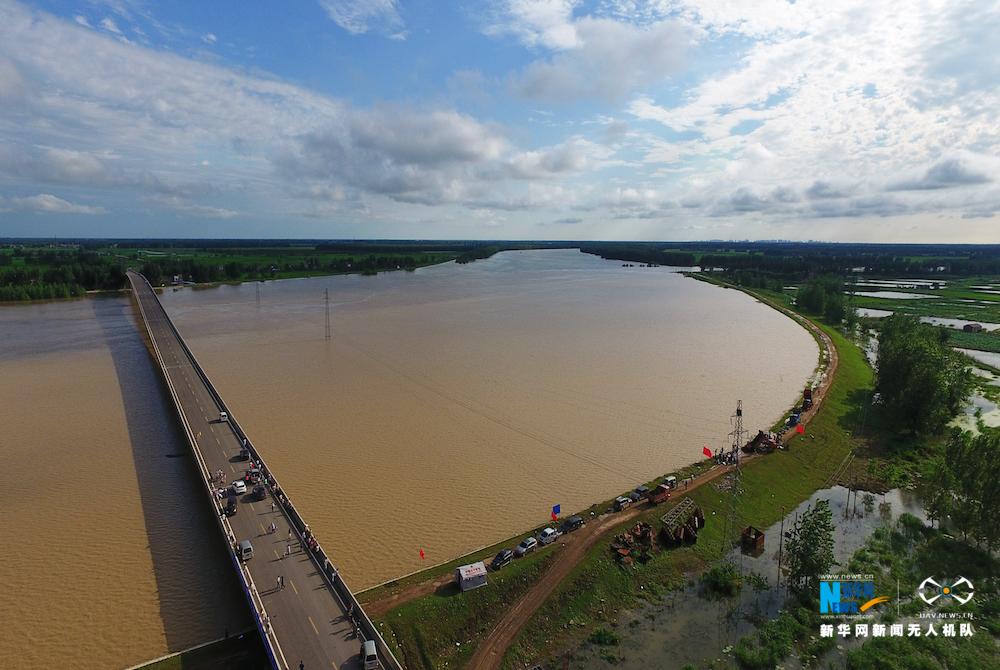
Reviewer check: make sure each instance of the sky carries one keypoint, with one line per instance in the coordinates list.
(839, 120)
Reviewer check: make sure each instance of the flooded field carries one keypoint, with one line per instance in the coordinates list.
(112, 558)
(452, 407)
(689, 628)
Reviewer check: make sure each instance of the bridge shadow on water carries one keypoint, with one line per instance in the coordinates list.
(199, 595)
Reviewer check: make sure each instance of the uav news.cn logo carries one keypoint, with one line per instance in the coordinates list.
(848, 596)
(961, 591)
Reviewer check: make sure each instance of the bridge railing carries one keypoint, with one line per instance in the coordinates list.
(326, 567)
(271, 644)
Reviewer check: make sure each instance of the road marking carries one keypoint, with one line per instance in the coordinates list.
(297, 593)
(311, 623)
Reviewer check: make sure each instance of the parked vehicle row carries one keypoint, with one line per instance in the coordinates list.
(546, 536)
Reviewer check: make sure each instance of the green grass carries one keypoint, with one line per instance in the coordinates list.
(443, 629)
(982, 341)
(236, 653)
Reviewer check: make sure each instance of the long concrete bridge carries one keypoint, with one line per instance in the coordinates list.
(314, 618)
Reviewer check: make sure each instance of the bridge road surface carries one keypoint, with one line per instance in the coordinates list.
(307, 618)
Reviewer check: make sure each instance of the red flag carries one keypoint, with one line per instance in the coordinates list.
(800, 429)
(555, 516)
(421, 553)
(707, 452)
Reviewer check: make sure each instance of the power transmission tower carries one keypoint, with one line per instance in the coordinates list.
(738, 435)
(326, 293)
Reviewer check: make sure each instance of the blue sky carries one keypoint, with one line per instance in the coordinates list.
(611, 119)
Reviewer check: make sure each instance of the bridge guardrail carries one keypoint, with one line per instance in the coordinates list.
(322, 561)
(271, 644)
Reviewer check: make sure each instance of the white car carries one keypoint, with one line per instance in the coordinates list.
(548, 536)
(527, 545)
(239, 487)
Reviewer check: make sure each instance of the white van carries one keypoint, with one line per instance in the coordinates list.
(245, 550)
(223, 416)
(369, 655)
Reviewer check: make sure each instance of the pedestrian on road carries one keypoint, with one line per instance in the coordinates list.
(302, 666)
(289, 534)
(277, 586)
(288, 549)
(272, 505)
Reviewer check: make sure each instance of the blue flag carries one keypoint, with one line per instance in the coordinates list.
(556, 509)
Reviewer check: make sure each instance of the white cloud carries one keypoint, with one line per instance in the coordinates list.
(209, 38)
(609, 60)
(109, 24)
(593, 57)
(545, 23)
(48, 204)
(362, 16)
(196, 210)
(82, 20)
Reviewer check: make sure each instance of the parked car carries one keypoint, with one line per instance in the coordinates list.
(223, 417)
(370, 655)
(504, 557)
(670, 481)
(548, 536)
(528, 545)
(571, 524)
(244, 454)
(245, 550)
(259, 492)
(621, 502)
(231, 507)
(239, 487)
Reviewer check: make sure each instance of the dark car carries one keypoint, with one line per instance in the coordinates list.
(259, 492)
(231, 507)
(503, 558)
(244, 454)
(642, 491)
(571, 524)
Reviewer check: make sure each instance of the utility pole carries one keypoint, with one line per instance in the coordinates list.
(326, 293)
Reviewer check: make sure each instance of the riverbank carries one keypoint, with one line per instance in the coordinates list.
(409, 624)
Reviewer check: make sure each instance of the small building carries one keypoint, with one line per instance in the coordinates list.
(471, 576)
(973, 327)
(752, 540)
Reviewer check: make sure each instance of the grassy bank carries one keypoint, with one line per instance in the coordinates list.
(442, 629)
(772, 485)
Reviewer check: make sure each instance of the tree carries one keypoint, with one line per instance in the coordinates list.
(937, 483)
(810, 548)
(973, 488)
(922, 382)
(810, 297)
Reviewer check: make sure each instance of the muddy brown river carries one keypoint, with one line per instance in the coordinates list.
(451, 408)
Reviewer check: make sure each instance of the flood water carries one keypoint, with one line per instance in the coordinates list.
(451, 408)
(111, 555)
(689, 628)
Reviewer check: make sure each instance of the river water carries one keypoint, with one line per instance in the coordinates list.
(451, 407)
